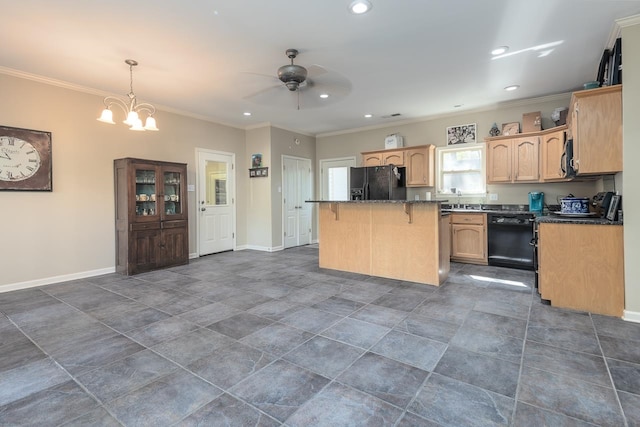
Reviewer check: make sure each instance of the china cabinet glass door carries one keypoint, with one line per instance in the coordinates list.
(145, 194)
(172, 193)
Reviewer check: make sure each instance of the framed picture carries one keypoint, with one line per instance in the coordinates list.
(612, 212)
(25, 160)
(512, 128)
(461, 134)
(256, 160)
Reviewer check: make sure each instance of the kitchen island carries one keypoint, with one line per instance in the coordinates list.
(396, 239)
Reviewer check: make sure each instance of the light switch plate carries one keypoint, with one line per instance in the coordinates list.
(493, 197)
(191, 187)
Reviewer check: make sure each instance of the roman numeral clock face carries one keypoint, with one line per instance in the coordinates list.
(19, 160)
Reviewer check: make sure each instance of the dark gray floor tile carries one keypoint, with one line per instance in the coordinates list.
(123, 376)
(356, 332)
(90, 298)
(384, 378)
(399, 301)
(581, 366)
(246, 301)
(73, 330)
(129, 287)
(230, 365)
(227, 411)
(17, 350)
(631, 407)
(339, 306)
(497, 375)
(22, 301)
(161, 331)
(621, 349)
(569, 339)
(97, 417)
(379, 315)
(164, 401)
(190, 347)
(46, 312)
(127, 316)
(339, 405)
(453, 403)
(545, 315)
(280, 389)
(306, 296)
(497, 324)
(362, 293)
(311, 319)
(626, 376)
(271, 289)
(412, 420)
(488, 344)
(428, 328)
(106, 278)
(275, 310)
(569, 396)
(172, 301)
(240, 325)
(530, 416)
(324, 356)
(502, 308)
(210, 313)
(30, 378)
(214, 291)
(277, 338)
(93, 354)
(416, 351)
(615, 327)
(52, 406)
(443, 311)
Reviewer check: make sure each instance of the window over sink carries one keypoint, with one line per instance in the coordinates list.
(461, 171)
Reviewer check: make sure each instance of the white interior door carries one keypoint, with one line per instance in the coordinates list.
(216, 202)
(334, 184)
(296, 177)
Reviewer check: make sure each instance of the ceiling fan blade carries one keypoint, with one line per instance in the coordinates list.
(316, 70)
(269, 76)
(264, 91)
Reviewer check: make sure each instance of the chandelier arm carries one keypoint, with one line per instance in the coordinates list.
(112, 100)
(143, 106)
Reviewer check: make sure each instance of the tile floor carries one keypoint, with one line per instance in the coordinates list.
(268, 339)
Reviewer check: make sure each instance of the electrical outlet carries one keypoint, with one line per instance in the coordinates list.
(493, 197)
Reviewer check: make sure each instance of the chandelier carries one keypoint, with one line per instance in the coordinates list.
(131, 108)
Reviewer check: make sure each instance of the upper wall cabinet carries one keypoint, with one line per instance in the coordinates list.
(419, 162)
(552, 154)
(595, 124)
(512, 159)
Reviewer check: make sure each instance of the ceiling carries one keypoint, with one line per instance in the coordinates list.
(209, 58)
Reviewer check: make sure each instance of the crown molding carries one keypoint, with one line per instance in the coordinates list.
(628, 21)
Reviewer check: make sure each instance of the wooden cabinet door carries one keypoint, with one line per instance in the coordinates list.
(373, 159)
(597, 131)
(499, 160)
(551, 151)
(468, 242)
(420, 167)
(144, 250)
(525, 159)
(172, 200)
(175, 246)
(395, 158)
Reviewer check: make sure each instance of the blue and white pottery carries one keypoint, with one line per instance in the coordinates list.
(574, 205)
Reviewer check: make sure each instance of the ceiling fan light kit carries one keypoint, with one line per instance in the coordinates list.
(131, 107)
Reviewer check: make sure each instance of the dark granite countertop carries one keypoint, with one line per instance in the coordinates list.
(375, 201)
(555, 219)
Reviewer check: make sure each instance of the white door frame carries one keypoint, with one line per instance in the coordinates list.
(282, 186)
(233, 195)
(337, 159)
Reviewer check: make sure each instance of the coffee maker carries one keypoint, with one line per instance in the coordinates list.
(536, 201)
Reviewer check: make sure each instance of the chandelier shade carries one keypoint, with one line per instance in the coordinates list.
(131, 108)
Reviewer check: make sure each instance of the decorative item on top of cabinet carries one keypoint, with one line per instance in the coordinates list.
(532, 122)
(151, 215)
(469, 238)
(595, 125)
(419, 161)
(512, 159)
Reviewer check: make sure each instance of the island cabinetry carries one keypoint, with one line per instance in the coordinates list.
(469, 238)
(552, 154)
(595, 125)
(512, 159)
(151, 215)
(419, 162)
(572, 274)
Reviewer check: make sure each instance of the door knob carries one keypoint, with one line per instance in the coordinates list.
(203, 209)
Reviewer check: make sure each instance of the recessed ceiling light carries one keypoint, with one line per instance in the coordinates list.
(512, 87)
(368, 116)
(500, 50)
(246, 113)
(324, 95)
(359, 7)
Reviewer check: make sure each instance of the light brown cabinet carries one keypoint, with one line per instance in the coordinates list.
(573, 274)
(512, 159)
(469, 238)
(595, 124)
(419, 162)
(151, 215)
(552, 154)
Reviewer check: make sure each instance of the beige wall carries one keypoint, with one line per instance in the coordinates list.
(258, 195)
(71, 230)
(631, 150)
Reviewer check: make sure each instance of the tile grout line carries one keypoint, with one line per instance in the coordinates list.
(524, 344)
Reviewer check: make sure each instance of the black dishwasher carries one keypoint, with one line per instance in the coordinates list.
(509, 240)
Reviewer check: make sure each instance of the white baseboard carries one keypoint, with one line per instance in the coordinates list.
(55, 279)
(264, 248)
(193, 255)
(631, 316)
(241, 248)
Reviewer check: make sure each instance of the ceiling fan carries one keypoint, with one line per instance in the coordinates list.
(318, 85)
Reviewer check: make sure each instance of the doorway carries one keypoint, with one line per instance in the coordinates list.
(216, 202)
(334, 183)
(296, 189)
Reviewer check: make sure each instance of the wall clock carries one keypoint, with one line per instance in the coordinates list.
(25, 159)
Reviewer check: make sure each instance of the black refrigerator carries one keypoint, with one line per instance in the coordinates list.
(378, 183)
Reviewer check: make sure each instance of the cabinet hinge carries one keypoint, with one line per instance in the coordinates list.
(233, 235)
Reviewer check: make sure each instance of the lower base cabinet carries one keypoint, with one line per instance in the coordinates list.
(581, 267)
(469, 238)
